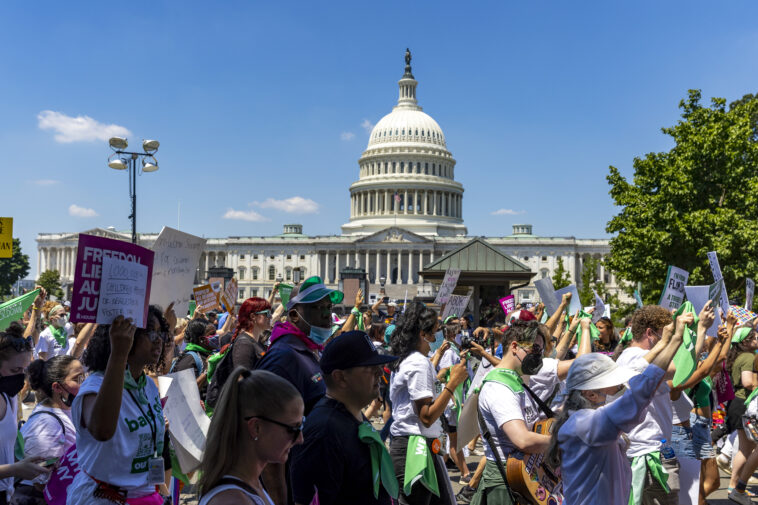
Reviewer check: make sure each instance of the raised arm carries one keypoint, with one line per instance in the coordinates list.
(31, 328)
(706, 318)
(429, 411)
(82, 339)
(555, 318)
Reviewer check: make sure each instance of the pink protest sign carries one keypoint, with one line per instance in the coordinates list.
(89, 262)
(508, 303)
(57, 486)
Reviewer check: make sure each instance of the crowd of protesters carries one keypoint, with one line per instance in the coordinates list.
(382, 406)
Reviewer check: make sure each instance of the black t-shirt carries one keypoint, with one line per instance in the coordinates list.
(186, 361)
(333, 460)
(247, 352)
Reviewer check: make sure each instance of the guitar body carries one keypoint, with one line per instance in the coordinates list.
(529, 477)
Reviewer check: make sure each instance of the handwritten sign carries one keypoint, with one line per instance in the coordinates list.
(575, 303)
(89, 262)
(123, 292)
(547, 294)
(187, 423)
(672, 296)
(448, 285)
(698, 296)
(6, 237)
(177, 255)
(749, 290)
(718, 277)
(508, 303)
(205, 298)
(455, 306)
(229, 295)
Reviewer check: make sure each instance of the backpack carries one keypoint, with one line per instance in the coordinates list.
(195, 356)
(220, 367)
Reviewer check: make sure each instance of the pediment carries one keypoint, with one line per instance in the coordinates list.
(393, 235)
(101, 232)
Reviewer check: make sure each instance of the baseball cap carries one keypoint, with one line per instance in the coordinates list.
(596, 371)
(313, 290)
(349, 350)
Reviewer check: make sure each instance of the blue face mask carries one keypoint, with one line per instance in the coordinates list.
(319, 335)
(439, 338)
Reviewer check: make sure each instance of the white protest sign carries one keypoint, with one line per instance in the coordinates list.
(698, 296)
(229, 295)
(575, 303)
(123, 291)
(456, 305)
(750, 289)
(177, 255)
(448, 285)
(187, 422)
(600, 308)
(717, 276)
(672, 296)
(547, 294)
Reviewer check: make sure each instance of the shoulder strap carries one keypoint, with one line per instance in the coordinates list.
(542, 405)
(198, 361)
(237, 482)
(60, 422)
(487, 436)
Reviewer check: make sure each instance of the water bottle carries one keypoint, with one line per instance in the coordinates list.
(667, 452)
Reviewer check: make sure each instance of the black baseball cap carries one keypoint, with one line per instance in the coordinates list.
(349, 350)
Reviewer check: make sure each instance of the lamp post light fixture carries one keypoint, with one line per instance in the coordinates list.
(123, 160)
(382, 281)
(296, 275)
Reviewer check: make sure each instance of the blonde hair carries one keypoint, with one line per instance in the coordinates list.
(244, 394)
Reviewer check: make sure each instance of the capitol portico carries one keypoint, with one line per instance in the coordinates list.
(406, 211)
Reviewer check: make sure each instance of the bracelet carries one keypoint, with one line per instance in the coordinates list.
(450, 391)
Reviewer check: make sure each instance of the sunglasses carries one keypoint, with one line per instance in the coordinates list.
(295, 431)
(266, 313)
(530, 347)
(19, 344)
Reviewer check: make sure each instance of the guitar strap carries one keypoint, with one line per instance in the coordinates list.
(542, 405)
(499, 462)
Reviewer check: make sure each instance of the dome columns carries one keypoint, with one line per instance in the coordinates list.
(413, 202)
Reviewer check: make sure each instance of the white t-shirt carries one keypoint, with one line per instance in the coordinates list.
(546, 381)
(413, 380)
(48, 344)
(258, 500)
(8, 431)
(657, 424)
(123, 460)
(44, 437)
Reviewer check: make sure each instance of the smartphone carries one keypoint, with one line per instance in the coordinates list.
(49, 462)
(385, 299)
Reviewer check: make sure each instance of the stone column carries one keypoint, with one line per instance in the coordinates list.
(434, 203)
(368, 270)
(72, 264)
(405, 201)
(377, 272)
(409, 278)
(357, 259)
(389, 266)
(415, 202)
(338, 265)
(386, 202)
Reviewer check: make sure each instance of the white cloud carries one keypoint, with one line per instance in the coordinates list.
(293, 205)
(347, 135)
(76, 211)
(367, 125)
(507, 212)
(45, 182)
(78, 129)
(244, 215)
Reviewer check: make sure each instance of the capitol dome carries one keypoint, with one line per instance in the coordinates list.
(406, 174)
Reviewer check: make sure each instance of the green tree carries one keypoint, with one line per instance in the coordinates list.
(51, 281)
(12, 269)
(561, 276)
(590, 282)
(700, 196)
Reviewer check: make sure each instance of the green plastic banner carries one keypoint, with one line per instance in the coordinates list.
(685, 359)
(285, 290)
(13, 310)
(192, 307)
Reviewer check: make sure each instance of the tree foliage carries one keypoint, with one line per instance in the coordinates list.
(51, 281)
(561, 276)
(700, 196)
(12, 269)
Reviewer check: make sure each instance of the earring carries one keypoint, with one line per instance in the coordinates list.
(256, 438)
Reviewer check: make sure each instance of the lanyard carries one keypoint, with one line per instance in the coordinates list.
(152, 425)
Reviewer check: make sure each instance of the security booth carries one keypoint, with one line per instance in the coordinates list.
(351, 280)
(490, 273)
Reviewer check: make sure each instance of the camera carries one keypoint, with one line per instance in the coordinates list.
(467, 340)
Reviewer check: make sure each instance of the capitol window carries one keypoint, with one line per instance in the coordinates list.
(288, 273)
(242, 273)
(271, 273)
(255, 274)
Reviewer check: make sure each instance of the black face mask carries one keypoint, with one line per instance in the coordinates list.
(531, 364)
(69, 398)
(12, 384)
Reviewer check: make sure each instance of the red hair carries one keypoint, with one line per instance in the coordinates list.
(247, 313)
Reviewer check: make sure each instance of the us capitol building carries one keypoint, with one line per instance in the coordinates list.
(406, 211)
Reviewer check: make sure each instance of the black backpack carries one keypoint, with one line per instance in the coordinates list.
(223, 370)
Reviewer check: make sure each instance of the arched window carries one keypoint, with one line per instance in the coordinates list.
(255, 273)
(288, 273)
(242, 273)
(272, 273)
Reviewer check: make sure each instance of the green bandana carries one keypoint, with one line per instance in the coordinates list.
(685, 359)
(752, 395)
(60, 336)
(458, 394)
(640, 466)
(382, 470)
(626, 337)
(505, 376)
(136, 385)
(197, 348)
(358, 319)
(594, 332)
(419, 466)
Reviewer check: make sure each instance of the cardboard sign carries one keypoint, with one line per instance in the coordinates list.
(600, 308)
(177, 255)
(187, 423)
(672, 296)
(547, 294)
(123, 292)
(205, 298)
(455, 306)
(575, 303)
(6, 237)
(508, 303)
(749, 290)
(448, 285)
(229, 295)
(698, 295)
(718, 277)
(716, 295)
(13, 310)
(89, 262)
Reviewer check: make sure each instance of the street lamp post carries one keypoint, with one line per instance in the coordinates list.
(123, 160)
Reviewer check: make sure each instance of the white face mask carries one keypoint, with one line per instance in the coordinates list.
(612, 398)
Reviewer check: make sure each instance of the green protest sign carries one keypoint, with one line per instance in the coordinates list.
(13, 310)
(285, 290)
(192, 306)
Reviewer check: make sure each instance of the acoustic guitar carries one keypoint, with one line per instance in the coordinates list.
(530, 478)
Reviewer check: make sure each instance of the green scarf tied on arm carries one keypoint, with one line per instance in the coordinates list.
(685, 359)
(594, 332)
(419, 466)
(640, 466)
(458, 394)
(382, 470)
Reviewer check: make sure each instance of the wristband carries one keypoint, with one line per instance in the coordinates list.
(449, 391)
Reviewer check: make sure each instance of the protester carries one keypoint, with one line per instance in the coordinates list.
(258, 419)
(416, 409)
(118, 414)
(343, 460)
(608, 340)
(195, 355)
(49, 432)
(54, 340)
(293, 355)
(15, 355)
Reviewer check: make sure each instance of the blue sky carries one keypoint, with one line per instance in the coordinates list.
(257, 103)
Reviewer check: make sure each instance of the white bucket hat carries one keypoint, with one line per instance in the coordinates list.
(596, 371)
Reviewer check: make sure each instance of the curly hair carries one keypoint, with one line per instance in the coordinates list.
(649, 316)
(98, 350)
(417, 318)
(195, 331)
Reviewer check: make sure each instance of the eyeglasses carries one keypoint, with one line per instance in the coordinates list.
(266, 313)
(529, 347)
(154, 336)
(19, 344)
(295, 431)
